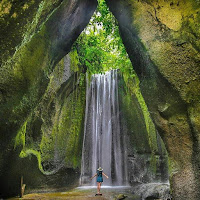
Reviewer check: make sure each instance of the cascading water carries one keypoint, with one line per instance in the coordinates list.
(103, 144)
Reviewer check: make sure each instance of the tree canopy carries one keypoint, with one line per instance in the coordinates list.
(100, 46)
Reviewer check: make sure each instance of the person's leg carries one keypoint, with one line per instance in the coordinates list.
(98, 187)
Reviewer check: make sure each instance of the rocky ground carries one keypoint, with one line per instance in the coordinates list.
(84, 194)
(149, 191)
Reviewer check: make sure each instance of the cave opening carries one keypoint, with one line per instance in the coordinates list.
(58, 148)
(51, 137)
(43, 90)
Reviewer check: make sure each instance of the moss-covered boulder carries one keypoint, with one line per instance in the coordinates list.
(162, 40)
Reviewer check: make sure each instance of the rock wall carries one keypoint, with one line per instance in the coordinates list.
(34, 85)
(46, 149)
(146, 154)
(162, 40)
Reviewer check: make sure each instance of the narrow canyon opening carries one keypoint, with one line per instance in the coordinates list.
(122, 141)
(121, 94)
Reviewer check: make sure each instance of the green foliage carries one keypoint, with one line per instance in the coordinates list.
(100, 47)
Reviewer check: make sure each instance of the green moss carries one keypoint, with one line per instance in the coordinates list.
(143, 135)
(5, 7)
(71, 123)
(62, 126)
(74, 66)
(173, 42)
(31, 57)
(27, 152)
(20, 139)
(46, 147)
(65, 137)
(173, 166)
(153, 163)
(132, 84)
(62, 133)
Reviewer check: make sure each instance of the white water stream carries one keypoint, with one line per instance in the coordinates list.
(103, 144)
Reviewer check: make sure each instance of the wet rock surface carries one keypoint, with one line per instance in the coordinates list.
(147, 156)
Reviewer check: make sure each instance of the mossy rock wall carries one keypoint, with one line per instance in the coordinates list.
(47, 147)
(35, 36)
(162, 40)
(146, 153)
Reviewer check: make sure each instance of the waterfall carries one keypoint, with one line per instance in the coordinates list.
(103, 144)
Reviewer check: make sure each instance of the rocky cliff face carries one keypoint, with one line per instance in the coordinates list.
(46, 149)
(147, 157)
(34, 85)
(162, 40)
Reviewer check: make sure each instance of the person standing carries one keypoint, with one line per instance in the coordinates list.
(99, 175)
